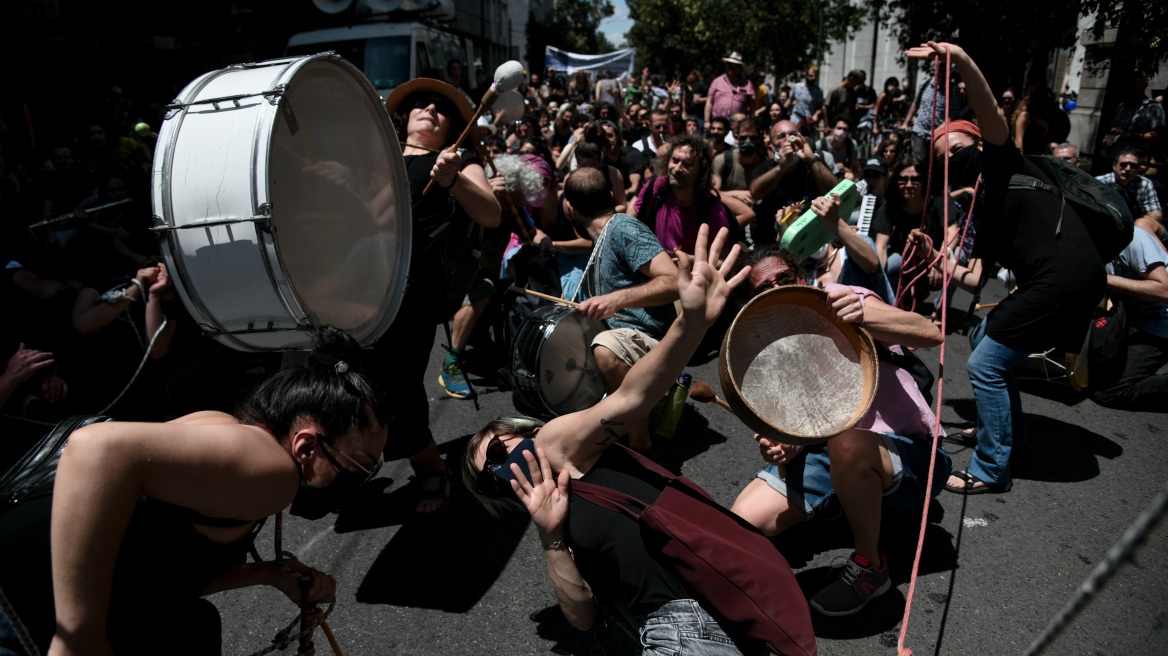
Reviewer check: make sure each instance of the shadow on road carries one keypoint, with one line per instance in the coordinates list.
(444, 562)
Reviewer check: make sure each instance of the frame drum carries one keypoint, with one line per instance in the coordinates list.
(282, 195)
(793, 371)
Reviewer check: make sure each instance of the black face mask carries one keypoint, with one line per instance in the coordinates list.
(316, 502)
(748, 146)
(964, 168)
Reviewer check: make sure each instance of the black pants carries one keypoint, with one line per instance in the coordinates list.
(1132, 383)
(399, 365)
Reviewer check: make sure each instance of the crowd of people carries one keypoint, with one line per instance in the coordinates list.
(659, 207)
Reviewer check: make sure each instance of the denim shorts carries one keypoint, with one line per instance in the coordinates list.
(683, 627)
(809, 476)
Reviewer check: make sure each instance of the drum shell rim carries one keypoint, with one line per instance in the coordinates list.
(266, 244)
(547, 327)
(856, 335)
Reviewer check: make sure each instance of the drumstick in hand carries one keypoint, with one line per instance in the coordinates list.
(556, 299)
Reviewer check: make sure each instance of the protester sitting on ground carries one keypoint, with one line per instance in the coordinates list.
(849, 259)
(901, 214)
(682, 196)
(1138, 280)
(1059, 272)
(598, 559)
(718, 130)
(732, 172)
(1125, 174)
(798, 172)
(630, 282)
(144, 519)
(880, 463)
(1068, 153)
(843, 150)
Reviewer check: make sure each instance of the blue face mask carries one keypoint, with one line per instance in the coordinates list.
(496, 475)
(503, 470)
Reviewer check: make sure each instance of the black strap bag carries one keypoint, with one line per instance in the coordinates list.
(33, 475)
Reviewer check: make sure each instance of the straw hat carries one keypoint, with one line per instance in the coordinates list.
(734, 58)
(429, 85)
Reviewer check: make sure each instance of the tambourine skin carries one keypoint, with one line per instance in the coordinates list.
(793, 371)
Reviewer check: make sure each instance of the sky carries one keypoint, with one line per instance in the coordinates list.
(615, 26)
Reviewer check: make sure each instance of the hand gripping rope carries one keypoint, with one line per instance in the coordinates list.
(311, 616)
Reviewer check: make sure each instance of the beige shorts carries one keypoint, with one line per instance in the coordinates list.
(627, 344)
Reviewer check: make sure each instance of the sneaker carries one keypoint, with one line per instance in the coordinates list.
(859, 583)
(453, 381)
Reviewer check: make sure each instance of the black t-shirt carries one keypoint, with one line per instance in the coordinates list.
(630, 161)
(430, 215)
(892, 220)
(609, 548)
(1060, 274)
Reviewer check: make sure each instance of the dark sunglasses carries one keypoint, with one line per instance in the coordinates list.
(444, 106)
(1127, 165)
(487, 483)
(909, 179)
(369, 472)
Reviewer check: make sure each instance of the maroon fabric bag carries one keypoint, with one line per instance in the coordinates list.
(729, 563)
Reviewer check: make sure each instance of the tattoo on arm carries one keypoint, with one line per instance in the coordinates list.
(610, 431)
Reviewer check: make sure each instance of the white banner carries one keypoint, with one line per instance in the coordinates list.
(562, 61)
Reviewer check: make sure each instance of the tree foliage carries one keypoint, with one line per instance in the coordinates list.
(574, 25)
(675, 36)
(1142, 31)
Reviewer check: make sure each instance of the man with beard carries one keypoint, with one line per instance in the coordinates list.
(733, 171)
(808, 99)
(1125, 172)
(682, 196)
(631, 282)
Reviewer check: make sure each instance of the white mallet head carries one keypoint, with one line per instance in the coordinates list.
(508, 76)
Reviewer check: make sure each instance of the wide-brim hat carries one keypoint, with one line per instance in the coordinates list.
(734, 58)
(484, 122)
(429, 85)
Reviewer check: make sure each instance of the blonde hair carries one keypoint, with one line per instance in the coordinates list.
(524, 426)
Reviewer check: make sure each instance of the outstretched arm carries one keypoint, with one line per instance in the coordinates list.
(994, 128)
(582, 436)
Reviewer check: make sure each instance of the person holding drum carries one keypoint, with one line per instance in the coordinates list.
(881, 462)
(1037, 236)
(593, 554)
(146, 518)
(630, 280)
(429, 116)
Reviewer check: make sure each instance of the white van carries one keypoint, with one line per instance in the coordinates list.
(388, 53)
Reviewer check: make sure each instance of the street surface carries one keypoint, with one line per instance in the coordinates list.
(995, 568)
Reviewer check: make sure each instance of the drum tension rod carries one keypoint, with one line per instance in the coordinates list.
(215, 102)
(265, 223)
(208, 331)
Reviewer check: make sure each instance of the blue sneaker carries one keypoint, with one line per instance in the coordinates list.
(453, 381)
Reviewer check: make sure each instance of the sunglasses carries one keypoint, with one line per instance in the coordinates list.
(783, 135)
(369, 472)
(444, 106)
(1127, 165)
(909, 179)
(487, 483)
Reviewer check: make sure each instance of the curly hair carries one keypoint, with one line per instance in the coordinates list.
(701, 148)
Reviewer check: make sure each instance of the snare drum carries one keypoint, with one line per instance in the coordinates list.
(552, 367)
(794, 371)
(282, 195)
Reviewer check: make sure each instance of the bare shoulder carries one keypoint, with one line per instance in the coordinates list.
(205, 417)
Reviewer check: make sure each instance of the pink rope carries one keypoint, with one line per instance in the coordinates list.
(901, 649)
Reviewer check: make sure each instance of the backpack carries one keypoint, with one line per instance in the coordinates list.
(1099, 205)
(34, 474)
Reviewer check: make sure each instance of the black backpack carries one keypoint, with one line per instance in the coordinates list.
(1099, 205)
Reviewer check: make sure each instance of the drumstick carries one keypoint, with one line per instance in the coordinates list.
(507, 78)
(982, 306)
(511, 204)
(556, 299)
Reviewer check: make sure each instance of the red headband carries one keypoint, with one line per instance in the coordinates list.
(957, 126)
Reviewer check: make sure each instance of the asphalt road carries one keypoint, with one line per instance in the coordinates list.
(995, 569)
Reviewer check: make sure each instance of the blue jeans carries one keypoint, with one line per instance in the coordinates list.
(683, 627)
(999, 406)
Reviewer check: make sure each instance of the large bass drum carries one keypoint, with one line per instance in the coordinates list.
(282, 194)
(553, 371)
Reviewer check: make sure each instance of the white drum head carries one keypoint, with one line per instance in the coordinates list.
(569, 379)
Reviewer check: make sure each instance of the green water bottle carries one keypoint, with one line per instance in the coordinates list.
(674, 404)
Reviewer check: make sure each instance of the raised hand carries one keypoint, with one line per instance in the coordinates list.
(446, 168)
(932, 49)
(827, 209)
(545, 497)
(704, 289)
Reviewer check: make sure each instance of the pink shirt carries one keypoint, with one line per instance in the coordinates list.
(899, 406)
(725, 99)
(677, 227)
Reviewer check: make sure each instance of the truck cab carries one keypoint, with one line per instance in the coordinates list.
(388, 53)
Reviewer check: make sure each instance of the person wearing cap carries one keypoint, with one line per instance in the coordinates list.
(429, 115)
(875, 176)
(730, 92)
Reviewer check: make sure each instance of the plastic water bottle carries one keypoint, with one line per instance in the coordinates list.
(674, 404)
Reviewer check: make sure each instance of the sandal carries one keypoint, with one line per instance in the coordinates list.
(974, 485)
(441, 493)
